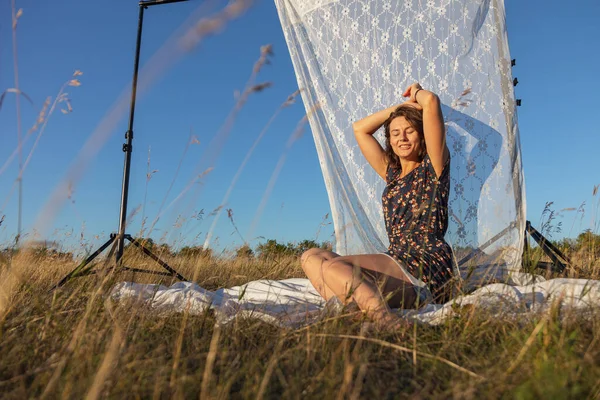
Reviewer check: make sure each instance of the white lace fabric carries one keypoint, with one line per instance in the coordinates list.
(356, 57)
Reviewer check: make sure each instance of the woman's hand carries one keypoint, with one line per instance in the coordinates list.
(411, 91)
(426, 98)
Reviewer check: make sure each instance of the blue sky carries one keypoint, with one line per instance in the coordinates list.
(555, 44)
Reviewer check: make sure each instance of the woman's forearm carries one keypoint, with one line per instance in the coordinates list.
(427, 99)
(370, 124)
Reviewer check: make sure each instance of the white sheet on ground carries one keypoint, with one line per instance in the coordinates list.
(293, 303)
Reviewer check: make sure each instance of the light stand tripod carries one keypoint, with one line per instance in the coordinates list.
(85, 267)
(559, 260)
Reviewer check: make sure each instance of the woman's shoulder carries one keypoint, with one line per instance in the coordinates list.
(391, 172)
(428, 165)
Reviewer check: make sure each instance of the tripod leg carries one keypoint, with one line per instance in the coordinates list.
(155, 258)
(550, 246)
(526, 254)
(486, 244)
(551, 251)
(81, 268)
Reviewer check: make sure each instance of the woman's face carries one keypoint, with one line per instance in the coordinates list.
(405, 140)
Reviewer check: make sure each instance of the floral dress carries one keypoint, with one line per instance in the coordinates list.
(415, 208)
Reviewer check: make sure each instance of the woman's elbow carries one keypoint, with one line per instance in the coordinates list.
(432, 100)
(357, 129)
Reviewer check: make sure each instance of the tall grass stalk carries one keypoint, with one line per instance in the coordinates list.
(215, 146)
(289, 101)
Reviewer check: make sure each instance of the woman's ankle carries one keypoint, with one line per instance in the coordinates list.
(381, 314)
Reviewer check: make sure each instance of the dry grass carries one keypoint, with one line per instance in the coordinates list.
(74, 343)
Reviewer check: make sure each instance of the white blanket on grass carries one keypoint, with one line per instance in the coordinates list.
(293, 303)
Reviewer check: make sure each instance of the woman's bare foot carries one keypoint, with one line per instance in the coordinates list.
(386, 321)
(390, 321)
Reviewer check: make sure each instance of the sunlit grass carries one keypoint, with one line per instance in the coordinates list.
(75, 341)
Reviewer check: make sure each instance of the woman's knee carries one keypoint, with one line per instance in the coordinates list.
(308, 256)
(316, 255)
(341, 269)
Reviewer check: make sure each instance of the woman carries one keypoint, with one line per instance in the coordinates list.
(415, 164)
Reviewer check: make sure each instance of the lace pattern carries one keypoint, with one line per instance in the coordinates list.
(355, 57)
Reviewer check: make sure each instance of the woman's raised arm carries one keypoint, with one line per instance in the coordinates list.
(369, 146)
(433, 125)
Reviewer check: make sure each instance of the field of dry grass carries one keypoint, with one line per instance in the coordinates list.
(74, 342)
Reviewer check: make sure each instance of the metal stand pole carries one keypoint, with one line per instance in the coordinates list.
(84, 268)
(128, 147)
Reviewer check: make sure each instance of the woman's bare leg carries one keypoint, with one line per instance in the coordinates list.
(312, 263)
(373, 281)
